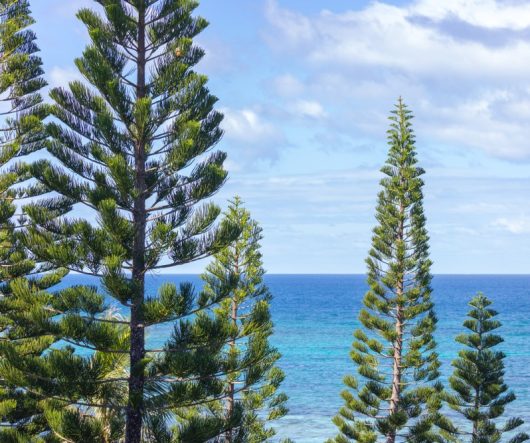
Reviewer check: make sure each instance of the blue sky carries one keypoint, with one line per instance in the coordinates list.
(306, 87)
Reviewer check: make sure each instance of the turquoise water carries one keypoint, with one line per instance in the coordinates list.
(316, 314)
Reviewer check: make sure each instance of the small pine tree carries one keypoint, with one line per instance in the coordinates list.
(247, 316)
(481, 395)
(396, 396)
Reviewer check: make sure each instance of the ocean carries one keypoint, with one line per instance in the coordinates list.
(315, 315)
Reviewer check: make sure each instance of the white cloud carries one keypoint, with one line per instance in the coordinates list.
(384, 35)
(486, 13)
(490, 122)
(250, 137)
(246, 125)
(308, 108)
(516, 225)
(465, 92)
(296, 28)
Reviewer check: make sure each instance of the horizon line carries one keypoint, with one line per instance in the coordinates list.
(471, 274)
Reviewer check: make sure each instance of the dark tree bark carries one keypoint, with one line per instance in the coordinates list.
(137, 351)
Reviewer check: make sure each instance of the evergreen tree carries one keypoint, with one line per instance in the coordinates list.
(248, 319)
(480, 394)
(21, 132)
(120, 199)
(22, 128)
(396, 396)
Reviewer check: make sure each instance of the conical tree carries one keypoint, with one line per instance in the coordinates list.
(246, 312)
(480, 394)
(396, 395)
(21, 132)
(119, 200)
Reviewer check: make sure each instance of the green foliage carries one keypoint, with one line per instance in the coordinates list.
(252, 380)
(121, 195)
(22, 129)
(396, 395)
(480, 394)
(22, 132)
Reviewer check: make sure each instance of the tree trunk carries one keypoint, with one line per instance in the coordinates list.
(398, 344)
(478, 391)
(396, 371)
(137, 341)
(230, 403)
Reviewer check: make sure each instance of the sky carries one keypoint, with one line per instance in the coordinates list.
(306, 88)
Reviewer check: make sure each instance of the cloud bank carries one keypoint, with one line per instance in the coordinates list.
(461, 64)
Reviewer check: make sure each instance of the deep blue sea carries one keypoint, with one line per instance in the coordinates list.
(315, 316)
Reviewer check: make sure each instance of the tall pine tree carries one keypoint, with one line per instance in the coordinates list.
(246, 312)
(21, 132)
(120, 199)
(480, 394)
(396, 394)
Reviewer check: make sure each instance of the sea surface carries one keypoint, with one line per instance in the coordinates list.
(315, 316)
